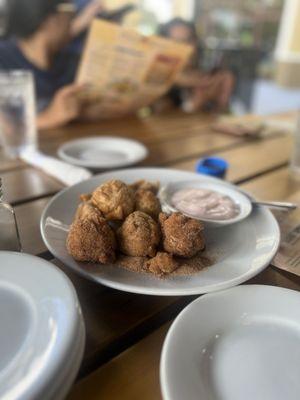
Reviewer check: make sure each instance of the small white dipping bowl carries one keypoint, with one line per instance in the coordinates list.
(241, 200)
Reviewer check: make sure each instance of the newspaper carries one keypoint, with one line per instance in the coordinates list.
(125, 70)
(288, 256)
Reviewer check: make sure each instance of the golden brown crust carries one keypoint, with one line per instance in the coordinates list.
(134, 264)
(91, 241)
(87, 211)
(147, 202)
(139, 235)
(145, 185)
(114, 199)
(182, 236)
(108, 214)
(161, 264)
(85, 196)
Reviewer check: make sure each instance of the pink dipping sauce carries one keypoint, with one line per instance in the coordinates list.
(204, 203)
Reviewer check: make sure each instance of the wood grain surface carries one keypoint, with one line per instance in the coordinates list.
(125, 331)
(134, 374)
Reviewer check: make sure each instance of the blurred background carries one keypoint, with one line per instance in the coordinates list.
(237, 35)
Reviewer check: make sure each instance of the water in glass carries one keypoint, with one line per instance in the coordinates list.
(17, 112)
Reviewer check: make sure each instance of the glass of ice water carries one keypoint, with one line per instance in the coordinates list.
(17, 112)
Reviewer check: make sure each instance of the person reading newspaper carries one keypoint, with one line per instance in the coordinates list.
(37, 36)
(120, 70)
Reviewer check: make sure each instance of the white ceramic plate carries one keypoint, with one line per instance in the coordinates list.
(238, 344)
(241, 250)
(42, 332)
(103, 152)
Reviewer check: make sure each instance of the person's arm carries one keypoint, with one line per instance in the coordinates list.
(95, 111)
(193, 79)
(83, 20)
(65, 107)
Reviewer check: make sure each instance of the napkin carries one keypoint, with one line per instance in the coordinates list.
(254, 126)
(288, 255)
(66, 173)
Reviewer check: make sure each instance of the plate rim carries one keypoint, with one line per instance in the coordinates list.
(92, 164)
(160, 292)
(171, 331)
(75, 321)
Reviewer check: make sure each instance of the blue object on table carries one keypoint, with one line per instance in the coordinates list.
(213, 166)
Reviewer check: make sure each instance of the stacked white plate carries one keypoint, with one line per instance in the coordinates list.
(41, 330)
(238, 344)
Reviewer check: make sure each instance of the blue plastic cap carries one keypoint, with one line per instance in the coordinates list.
(213, 166)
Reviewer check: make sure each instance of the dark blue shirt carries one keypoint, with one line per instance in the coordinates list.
(47, 82)
(80, 4)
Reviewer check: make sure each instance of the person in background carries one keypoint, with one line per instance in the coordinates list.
(38, 33)
(196, 90)
(87, 10)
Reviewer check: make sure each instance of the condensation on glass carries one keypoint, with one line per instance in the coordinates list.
(17, 112)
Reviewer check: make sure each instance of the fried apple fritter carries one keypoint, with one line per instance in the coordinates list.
(87, 211)
(92, 241)
(182, 236)
(145, 185)
(147, 202)
(162, 264)
(139, 235)
(114, 199)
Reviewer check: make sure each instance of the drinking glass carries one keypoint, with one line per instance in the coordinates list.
(17, 112)
(9, 233)
(295, 160)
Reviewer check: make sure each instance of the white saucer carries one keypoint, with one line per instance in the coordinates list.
(239, 344)
(42, 333)
(239, 251)
(103, 152)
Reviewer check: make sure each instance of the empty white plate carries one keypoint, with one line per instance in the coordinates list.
(41, 334)
(103, 152)
(238, 344)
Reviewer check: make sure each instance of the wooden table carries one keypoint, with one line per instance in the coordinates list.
(125, 331)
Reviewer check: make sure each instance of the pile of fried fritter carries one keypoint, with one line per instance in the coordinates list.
(127, 219)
